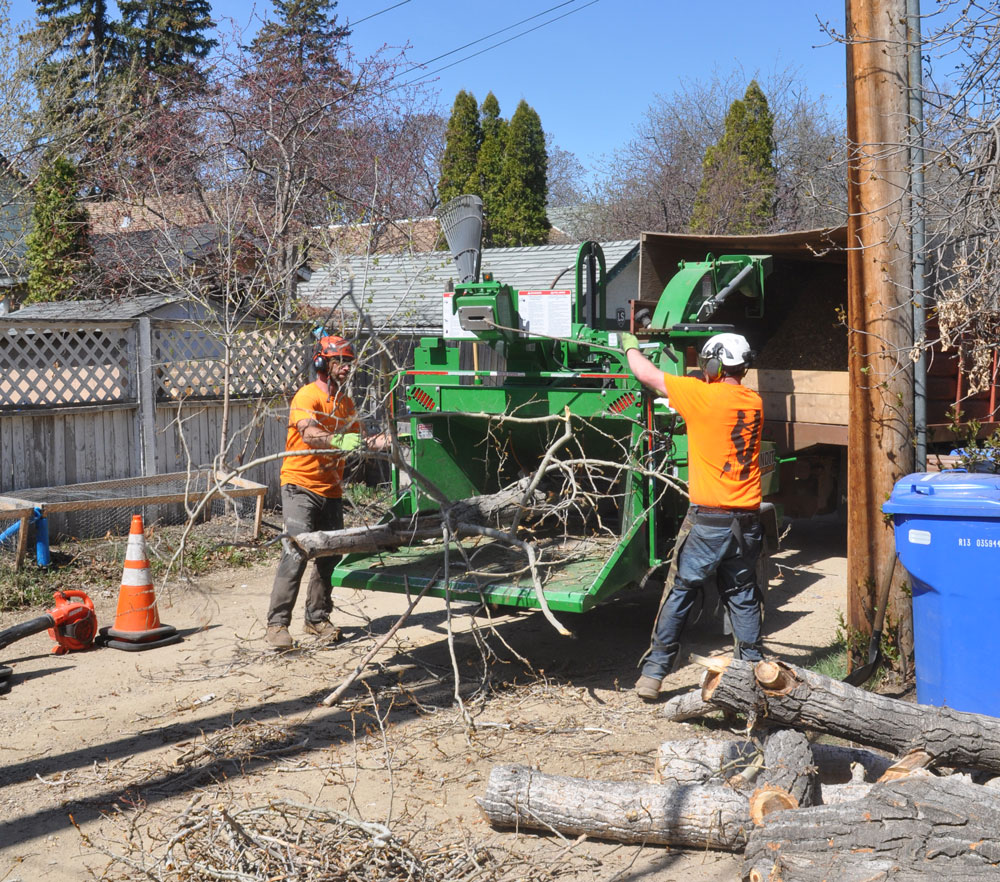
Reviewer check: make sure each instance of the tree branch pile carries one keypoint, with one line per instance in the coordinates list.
(800, 811)
(286, 840)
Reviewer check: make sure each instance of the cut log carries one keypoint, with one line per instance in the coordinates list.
(695, 816)
(914, 761)
(841, 764)
(688, 706)
(492, 508)
(697, 760)
(785, 695)
(789, 779)
(920, 827)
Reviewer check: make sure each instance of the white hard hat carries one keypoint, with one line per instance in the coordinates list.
(728, 350)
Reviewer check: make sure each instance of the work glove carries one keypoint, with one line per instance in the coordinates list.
(346, 442)
(629, 341)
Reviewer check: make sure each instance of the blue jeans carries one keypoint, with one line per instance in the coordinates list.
(704, 551)
(305, 512)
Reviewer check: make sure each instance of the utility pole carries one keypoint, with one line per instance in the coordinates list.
(879, 312)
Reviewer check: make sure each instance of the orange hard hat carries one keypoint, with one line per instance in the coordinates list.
(333, 346)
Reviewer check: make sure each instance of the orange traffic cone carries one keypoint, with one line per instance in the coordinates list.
(137, 623)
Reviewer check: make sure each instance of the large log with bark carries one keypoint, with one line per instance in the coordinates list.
(697, 760)
(493, 508)
(917, 828)
(694, 816)
(785, 695)
(687, 706)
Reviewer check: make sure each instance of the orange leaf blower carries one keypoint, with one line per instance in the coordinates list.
(71, 623)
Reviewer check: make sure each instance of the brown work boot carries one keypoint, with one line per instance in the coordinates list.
(648, 688)
(278, 637)
(325, 631)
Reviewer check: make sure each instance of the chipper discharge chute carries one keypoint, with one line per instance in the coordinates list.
(528, 386)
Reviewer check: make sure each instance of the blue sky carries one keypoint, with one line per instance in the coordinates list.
(591, 74)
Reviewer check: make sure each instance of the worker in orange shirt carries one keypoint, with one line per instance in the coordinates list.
(721, 535)
(321, 418)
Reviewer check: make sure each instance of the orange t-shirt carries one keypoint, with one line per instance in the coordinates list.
(322, 472)
(724, 426)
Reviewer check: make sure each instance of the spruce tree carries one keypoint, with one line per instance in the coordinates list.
(519, 218)
(737, 191)
(463, 138)
(75, 41)
(57, 242)
(296, 130)
(303, 36)
(487, 181)
(164, 41)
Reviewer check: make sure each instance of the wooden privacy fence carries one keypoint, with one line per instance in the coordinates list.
(84, 402)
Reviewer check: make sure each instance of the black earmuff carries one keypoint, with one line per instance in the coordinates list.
(319, 363)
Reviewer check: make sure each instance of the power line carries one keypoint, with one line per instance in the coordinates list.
(489, 36)
(351, 24)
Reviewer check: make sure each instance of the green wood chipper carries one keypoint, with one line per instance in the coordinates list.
(522, 382)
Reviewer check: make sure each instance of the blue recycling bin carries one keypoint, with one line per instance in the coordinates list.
(947, 531)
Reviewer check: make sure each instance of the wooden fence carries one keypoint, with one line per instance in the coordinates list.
(96, 401)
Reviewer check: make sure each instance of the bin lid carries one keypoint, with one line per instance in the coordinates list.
(951, 493)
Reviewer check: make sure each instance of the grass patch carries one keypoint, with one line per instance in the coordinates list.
(32, 586)
(95, 565)
(830, 662)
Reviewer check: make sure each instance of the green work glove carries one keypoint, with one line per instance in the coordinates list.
(629, 341)
(347, 442)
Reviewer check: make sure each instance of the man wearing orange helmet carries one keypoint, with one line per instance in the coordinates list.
(322, 418)
(721, 535)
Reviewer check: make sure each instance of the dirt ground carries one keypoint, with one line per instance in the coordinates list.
(118, 743)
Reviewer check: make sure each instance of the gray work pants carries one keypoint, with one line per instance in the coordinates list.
(305, 512)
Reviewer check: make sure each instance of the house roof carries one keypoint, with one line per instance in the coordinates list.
(98, 310)
(404, 291)
(158, 252)
(144, 214)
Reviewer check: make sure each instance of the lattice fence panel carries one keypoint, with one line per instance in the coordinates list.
(190, 362)
(50, 365)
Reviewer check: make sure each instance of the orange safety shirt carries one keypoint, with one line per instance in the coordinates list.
(724, 426)
(322, 473)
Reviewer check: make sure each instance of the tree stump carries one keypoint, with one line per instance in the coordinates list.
(917, 828)
(693, 816)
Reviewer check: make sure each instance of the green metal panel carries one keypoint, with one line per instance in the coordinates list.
(574, 586)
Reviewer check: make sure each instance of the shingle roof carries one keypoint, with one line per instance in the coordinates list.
(404, 291)
(92, 310)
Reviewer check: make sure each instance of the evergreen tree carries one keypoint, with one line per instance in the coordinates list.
(298, 130)
(487, 181)
(163, 41)
(303, 36)
(519, 218)
(57, 243)
(463, 138)
(737, 191)
(75, 40)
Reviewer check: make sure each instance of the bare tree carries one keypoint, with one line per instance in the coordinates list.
(565, 175)
(652, 182)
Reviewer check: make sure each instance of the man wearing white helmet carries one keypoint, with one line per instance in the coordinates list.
(721, 534)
